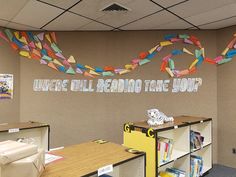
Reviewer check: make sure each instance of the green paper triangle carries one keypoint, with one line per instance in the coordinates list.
(183, 36)
(70, 71)
(45, 57)
(9, 34)
(225, 60)
(171, 64)
(55, 48)
(107, 73)
(144, 61)
(198, 53)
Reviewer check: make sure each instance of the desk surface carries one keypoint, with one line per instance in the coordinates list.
(178, 121)
(21, 125)
(86, 158)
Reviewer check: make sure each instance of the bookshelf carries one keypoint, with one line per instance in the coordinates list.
(205, 153)
(182, 163)
(205, 129)
(141, 136)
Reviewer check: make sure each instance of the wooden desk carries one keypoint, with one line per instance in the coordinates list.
(85, 159)
(39, 132)
(4, 127)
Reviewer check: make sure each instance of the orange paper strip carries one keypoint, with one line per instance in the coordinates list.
(88, 74)
(193, 70)
(25, 35)
(51, 65)
(184, 72)
(208, 60)
(14, 46)
(53, 35)
(108, 68)
(231, 44)
(36, 52)
(163, 66)
(34, 56)
(51, 54)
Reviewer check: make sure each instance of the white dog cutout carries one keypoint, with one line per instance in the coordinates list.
(157, 118)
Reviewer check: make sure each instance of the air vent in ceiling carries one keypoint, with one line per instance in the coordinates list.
(115, 7)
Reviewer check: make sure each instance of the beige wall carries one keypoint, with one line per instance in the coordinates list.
(226, 102)
(77, 117)
(10, 64)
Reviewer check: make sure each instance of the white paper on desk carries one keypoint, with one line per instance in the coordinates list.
(51, 158)
(105, 170)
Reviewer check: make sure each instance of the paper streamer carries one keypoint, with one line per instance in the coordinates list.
(62, 69)
(169, 72)
(71, 59)
(51, 65)
(125, 71)
(108, 73)
(44, 48)
(94, 73)
(108, 68)
(225, 60)
(55, 61)
(142, 62)
(70, 71)
(86, 74)
(128, 66)
(165, 43)
(208, 60)
(187, 51)
(183, 36)
(24, 54)
(78, 70)
(89, 67)
(99, 70)
(163, 66)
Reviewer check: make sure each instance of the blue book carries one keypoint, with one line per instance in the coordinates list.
(176, 172)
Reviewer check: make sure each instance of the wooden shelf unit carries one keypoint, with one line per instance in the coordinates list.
(141, 136)
(39, 133)
(85, 159)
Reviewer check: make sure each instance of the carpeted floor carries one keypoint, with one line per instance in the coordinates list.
(221, 171)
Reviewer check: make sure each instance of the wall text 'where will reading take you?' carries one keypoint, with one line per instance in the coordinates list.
(175, 85)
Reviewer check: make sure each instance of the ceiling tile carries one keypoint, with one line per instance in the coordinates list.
(152, 22)
(67, 22)
(220, 24)
(10, 8)
(92, 9)
(193, 28)
(177, 24)
(94, 26)
(213, 15)
(65, 4)
(194, 7)
(21, 27)
(168, 3)
(36, 14)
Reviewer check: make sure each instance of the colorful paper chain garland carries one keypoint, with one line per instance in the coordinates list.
(43, 47)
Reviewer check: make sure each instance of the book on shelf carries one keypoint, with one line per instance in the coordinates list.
(196, 140)
(196, 166)
(165, 147)
(172, 172)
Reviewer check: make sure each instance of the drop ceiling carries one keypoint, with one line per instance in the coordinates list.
(87, 15)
